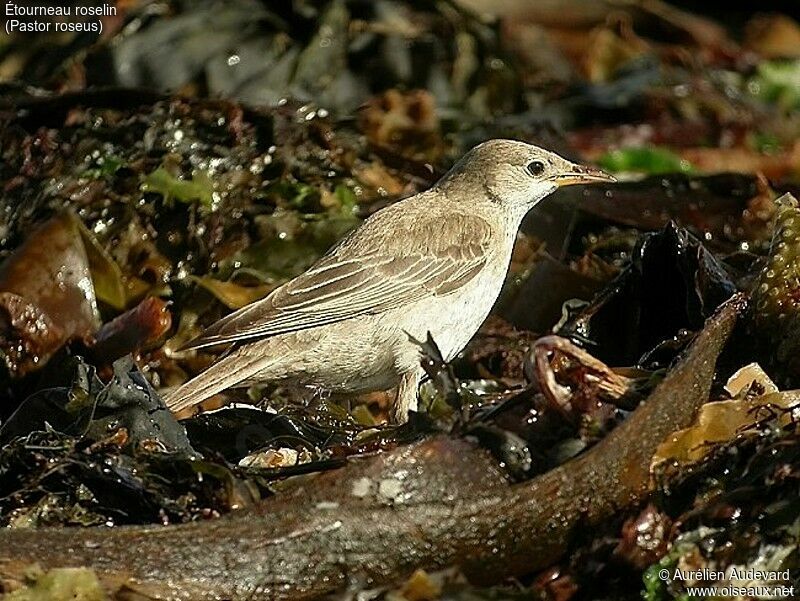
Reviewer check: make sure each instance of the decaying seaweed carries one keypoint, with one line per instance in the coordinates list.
(38, 315)
(299, 546)
(670, 287)
(335, 53)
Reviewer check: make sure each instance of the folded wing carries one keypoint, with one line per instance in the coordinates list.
(347, 284)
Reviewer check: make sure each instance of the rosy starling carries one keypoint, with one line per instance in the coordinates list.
(432, 263)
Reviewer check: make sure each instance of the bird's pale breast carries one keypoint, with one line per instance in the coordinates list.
(453, 319)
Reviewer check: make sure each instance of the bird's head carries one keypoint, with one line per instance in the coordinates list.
(516, 175)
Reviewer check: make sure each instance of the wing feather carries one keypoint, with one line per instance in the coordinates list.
(342, 286)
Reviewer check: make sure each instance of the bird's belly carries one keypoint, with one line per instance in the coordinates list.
(452, 320)
(353, 356)
(370, 352)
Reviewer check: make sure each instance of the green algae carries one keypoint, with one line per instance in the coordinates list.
(199, 188)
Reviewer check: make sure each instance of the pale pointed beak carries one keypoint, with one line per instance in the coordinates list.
(583, 174)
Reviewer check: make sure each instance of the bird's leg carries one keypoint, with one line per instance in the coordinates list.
(406, 399)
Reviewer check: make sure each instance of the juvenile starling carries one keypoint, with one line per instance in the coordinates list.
(434, 262)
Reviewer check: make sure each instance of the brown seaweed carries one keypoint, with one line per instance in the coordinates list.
(671, 286)
(300, 544)
(48, 296)
(139, 328)
(776, 297)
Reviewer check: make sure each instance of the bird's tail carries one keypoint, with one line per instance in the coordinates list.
(228, 372)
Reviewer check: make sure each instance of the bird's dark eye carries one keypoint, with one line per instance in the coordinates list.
(535, 168)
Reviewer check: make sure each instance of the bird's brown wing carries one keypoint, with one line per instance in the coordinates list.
(349, 282)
